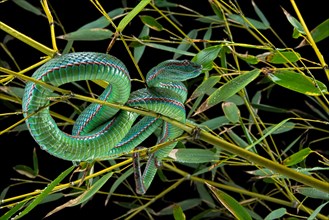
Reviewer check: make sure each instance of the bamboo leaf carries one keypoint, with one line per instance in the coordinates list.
(231, 112)
(297, 157)
(237, 210)
(178, 213)
(25, 170)
(318, 34)
(28, 6)
(102, 22)
(12, 211)
(317, 211)
(84, 196)
(93, 34)
(139, 50)
(151, 22)
(45, 192)
(228, 89)
(312, 193)
(118, 182)
(276, 214)
(204, 87)
(191, 155)
(186, 44)
(127, 19)
(261, 15)
(295, 23)
(298, 82)
(185, 205)
(251, 22)
(167, 48)
(279, 57)
(206, 56)
(288, 126)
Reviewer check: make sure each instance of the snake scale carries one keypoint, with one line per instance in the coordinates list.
(102, 132)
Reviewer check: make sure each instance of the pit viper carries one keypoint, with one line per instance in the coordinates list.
(101, 132)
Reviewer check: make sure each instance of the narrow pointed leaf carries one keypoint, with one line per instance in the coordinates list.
(294, 22)
(45, 192)
(102, 22)
(139, 50)
(206, 56)
(260, 15)
(93, 34)
(84, 196)
(229, 89)
(151, 22)
(191, 155)
(297, 157)
(13, 210)
(178, 213)
(276, 214)
(313, 193)
(204, 87)
(248, 22)
(237, 210)
(186, 44)
(28, 7)
(248, 58)
(215, 123)
(127, 19)
(185, 205)
(318, 34)
(231, 112)
(283, 128)
(167, 48)
(282, 57)
(25, 170)
(317, 211)
(298, 83)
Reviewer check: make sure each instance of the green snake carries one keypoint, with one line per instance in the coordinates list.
(102, 132)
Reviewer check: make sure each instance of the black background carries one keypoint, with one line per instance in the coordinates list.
(17, 148)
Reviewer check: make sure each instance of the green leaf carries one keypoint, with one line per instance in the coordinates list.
(190, 155)
(298, 82)
(25, 170)
(260, 15)
(204, 87)
(318, 34)
(139, 50)
(185, 205)
(164, 3)
(288, 126)
(312, 193)
(228, 89)
(102, 22)
(248, 58)
(178, 213)
(237, 210)
(167, 48)
(28, 7)
(294, 22)
(279, 57)
(231, 112)
(118, 182)
(206, 56)
(317, 211)
(297, 157)
(186, 44)
(215, 123)
(151, 22)
(13, 210)
(248, 22)
(93, 34)
(86, 195)
(45, 192)
(276, 214)
(217, 11)
(127, 19)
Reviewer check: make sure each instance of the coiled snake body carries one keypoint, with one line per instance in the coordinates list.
(102, 132)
